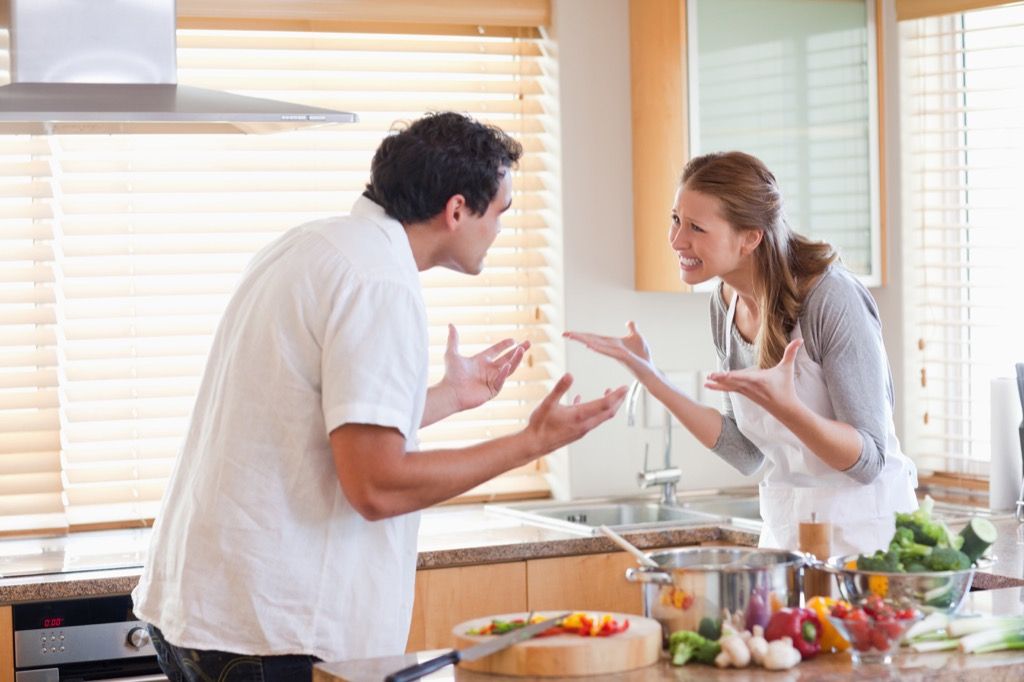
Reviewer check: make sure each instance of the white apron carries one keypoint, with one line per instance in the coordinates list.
(798, 483)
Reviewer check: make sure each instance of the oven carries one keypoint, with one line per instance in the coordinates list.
(96, 639)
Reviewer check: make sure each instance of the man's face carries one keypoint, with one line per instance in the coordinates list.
(476, 233)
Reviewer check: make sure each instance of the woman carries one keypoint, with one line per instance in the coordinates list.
(807, 386)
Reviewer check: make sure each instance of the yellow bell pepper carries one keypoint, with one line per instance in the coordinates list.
(831, 640)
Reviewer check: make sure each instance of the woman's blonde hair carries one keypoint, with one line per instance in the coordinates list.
(786, 263)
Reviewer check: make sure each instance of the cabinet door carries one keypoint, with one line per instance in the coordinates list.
(6, 645)
(591, 582)
(448, 596)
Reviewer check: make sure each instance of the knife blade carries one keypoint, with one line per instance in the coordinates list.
(415, 672)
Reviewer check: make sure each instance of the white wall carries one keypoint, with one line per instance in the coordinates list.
(594, 100)
(597, 221)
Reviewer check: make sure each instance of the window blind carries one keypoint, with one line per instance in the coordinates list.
(963, 125)
(119, 280)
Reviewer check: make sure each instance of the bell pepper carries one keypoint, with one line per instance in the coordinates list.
(831, 640)
(800, 625)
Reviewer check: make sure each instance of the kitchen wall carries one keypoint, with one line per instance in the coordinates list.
(592, 38)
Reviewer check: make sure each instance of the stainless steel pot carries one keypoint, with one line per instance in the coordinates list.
(738, 584)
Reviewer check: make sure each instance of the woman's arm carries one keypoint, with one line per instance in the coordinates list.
(840, 325)
(715, 431)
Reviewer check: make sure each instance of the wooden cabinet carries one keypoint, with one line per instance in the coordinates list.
(592, 582)
(6, 645)
(447, 596)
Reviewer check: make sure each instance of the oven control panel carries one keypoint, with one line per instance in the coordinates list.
(78, 630)
(96, 642)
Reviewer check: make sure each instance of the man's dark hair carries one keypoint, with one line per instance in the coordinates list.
(417, 170)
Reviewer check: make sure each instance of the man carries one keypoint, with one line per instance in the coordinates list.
(287, 532)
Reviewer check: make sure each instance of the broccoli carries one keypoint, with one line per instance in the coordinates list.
(906, 549)
(915, 567)
(884, 562)
(947, 559)
(686, 644)
(926, 531)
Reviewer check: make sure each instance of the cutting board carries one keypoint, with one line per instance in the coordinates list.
(565, 655)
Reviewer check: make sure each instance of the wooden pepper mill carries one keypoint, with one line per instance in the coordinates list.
(816, 539)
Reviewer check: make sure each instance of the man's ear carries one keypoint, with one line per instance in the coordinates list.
(751, 238)
(455, 210)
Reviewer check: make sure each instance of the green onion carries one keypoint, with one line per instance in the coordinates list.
(934, 621)
(965, 626)
(993, 640)
(937, 645)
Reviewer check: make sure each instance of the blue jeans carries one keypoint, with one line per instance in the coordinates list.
(195, 665)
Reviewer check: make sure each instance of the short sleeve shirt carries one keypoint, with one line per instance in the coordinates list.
(256, 549)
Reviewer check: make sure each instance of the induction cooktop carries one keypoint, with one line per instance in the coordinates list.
(86, 551)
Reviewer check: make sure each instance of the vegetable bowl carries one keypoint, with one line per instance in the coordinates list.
(929, 591)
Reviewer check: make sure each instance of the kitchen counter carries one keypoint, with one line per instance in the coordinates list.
(449, 536)
(993, 667)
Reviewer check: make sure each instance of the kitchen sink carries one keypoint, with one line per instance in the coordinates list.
(739, 508)
(629, 514)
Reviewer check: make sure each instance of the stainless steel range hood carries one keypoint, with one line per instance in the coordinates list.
(109, 66)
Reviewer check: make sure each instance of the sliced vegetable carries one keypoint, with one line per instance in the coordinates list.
(978, 535)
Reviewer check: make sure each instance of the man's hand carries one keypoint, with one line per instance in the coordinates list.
(553, 425)
(472, 381)
(773, 389)
(631, 350)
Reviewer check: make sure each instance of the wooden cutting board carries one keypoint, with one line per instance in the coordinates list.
(565, 655)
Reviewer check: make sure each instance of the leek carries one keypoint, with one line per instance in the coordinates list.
(923, 647)
(993, 640)
(932, 622)
(966, 626)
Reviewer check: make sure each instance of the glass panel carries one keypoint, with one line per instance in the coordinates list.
(793, 83)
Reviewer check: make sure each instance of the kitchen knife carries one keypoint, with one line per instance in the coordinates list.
(415, 672)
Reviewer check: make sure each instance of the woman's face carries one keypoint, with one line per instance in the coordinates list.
(705, 243)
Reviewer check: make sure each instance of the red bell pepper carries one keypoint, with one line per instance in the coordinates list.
(800, 625)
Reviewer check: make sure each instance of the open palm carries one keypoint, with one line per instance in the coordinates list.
(773, 389)
(631, 350)
(475, 379)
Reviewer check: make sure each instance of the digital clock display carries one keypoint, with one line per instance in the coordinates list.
(53, 622)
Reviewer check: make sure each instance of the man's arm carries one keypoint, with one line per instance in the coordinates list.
(381, 480)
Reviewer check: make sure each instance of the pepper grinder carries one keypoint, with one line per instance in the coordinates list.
(816, 539)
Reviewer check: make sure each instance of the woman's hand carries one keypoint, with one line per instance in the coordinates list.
(773, 389)
(631, 350)
(472, 381)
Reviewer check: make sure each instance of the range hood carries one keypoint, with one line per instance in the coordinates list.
(109, 66)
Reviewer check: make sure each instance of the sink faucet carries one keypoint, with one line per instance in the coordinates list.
(666, 477)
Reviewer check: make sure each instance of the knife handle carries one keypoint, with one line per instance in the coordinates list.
(415, 672)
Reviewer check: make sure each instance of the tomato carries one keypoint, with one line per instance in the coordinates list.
(879, 639)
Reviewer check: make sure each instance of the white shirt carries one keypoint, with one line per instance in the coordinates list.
(256, 549)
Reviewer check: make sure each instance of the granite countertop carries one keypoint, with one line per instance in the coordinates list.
(462, 536)
(1001, 666)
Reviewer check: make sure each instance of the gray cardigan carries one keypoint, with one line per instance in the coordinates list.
(842, 333)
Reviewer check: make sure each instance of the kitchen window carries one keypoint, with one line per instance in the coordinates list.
(963, 245)
(119, 252)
